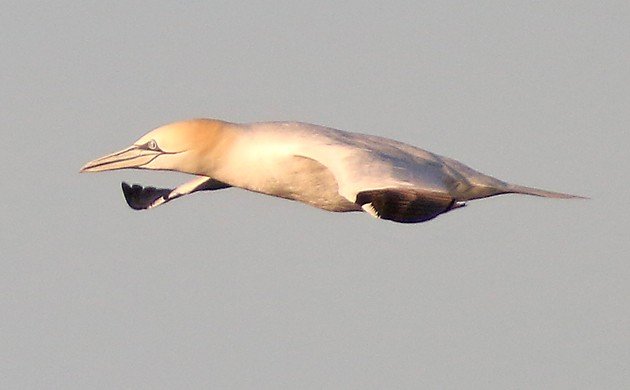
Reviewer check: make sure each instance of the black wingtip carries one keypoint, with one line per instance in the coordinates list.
(141, 198)
(132, 196)
(407, 206)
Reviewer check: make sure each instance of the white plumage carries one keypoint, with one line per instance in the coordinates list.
(327, 168)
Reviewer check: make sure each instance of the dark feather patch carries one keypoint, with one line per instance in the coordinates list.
(140, 198)
(407, 206)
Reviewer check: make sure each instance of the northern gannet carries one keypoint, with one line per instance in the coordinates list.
(326, 168)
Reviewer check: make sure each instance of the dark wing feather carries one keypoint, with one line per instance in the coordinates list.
(407, 206)
(140, 198)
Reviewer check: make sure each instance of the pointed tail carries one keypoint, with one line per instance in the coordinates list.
(481, 185)
(516, 189)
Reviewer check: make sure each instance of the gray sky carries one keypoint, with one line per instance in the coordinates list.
(237, 290)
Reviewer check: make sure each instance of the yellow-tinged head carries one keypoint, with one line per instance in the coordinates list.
(191, 146)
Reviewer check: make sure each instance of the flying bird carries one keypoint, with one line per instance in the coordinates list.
(326, 168)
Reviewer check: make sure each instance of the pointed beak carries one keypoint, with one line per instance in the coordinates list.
(132, 157)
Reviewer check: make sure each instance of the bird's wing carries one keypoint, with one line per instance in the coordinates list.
(141, 198)
(357, 162)
(362, 162)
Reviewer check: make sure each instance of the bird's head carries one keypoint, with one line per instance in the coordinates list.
(187, 146)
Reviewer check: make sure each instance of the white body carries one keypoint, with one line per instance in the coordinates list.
(327, 168)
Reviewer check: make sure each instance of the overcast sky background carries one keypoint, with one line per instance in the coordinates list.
(237, 290)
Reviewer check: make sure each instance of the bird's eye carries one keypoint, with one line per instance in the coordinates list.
(152, 145)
